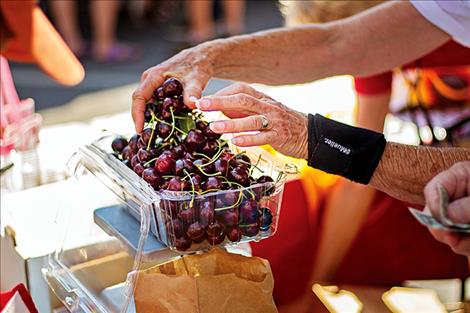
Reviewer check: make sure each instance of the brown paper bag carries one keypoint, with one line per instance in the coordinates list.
(212, 282)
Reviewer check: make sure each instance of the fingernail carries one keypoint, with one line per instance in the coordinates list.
(217, 126)
(193, 99)
(203, 104)
(236, 141)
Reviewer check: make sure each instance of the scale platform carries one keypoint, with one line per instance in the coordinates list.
(116, 221)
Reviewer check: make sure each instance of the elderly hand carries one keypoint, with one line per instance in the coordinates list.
(252, 111)
(456, 181)
(192, 67)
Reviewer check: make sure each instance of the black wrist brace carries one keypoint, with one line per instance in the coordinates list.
(340, 149)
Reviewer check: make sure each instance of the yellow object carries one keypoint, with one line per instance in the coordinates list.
(336, 300)
(413, 300)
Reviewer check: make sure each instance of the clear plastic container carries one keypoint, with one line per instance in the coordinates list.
(102, 247)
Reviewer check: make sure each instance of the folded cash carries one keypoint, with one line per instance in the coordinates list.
(428, 220)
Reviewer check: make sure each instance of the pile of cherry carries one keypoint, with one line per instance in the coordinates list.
(177, 152)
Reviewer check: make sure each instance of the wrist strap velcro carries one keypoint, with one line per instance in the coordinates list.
(340, 149)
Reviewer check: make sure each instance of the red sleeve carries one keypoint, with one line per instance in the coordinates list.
(373, 85)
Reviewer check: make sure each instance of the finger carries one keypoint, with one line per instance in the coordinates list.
(431, 195)
(234, 106)
(258, 139)
(238, 125)
(239, 88)
(140, 97)
(194, 85)
(459, 210)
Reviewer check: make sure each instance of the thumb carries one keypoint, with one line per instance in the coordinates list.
(459, 211)
(192, 92)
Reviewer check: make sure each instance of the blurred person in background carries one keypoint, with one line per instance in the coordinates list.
(104, 46)
(456, 182)
(438, 89)
(201, 19)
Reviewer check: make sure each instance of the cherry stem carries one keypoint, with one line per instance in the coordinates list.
(248, 163)
(192, 187)
(151, 134)
(215, 157)
(239, 185)
(202, 154)
(256, 165)
(207, 174)
(172, 124)
(169, 124)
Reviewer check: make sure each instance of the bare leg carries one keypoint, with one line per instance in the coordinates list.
(234, 16)
(65, 17)
(200, 20)
(103, 19)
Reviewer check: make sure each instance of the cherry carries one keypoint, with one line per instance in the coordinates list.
(201, 125)
(206, 213)
(249, 212)
(151, 176)
(210, 134)
(195, 140)
(197, 182)
(176, 227)
(215, 229)
(249, 230)
(133, 142)
(159, 94)
(230, 218)
(141, 144)
(149, 108)
(234, 234)
(266, 219)
(174, 184)
(210, 147)
(138, 169)
(165, 164)
(172, 87)
(213, 183)
(127, 153)
(221, 166)
(195, 232)
(239, 175)
(118, 144)
(171, 104)
(198, 163)
(187, 215)
(264, 179)
(183, 243)
(229, 158)
(148, 134)
(134, 161)
(143, 155)
(178, 151)
(269, 188)
(183, 164)
(171, 207)
(244, 158)
(163, 130)
(215, 240)
(231, 197)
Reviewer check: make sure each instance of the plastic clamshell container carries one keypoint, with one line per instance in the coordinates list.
(102, 248)
(190, 222)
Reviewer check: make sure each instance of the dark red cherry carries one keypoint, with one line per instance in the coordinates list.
(270, 188)
(183, 165)
(210, 147)
(165, 164)
(206, 213)
(134, 161)
(231, 197)
(143, 155)
(211, 134)
(221, 166)
(183, 243)
(151, 176)
(149, 109)
(197, 182)
(172, 87)
(159, 95)
(249, 212)
(201, 166)
(201, 125)
(195, 232)
(171, 104)
(249, 230)
(178, 151)
(266, 219)
(127, 153)
(174, 184)
(141, 144)
(187, 215)
(234, 234)
(148, 135)
(118, 144)
(215, 240)
(133, 142)
(213, 183)
(229, 158)
(163, 130)
(230, 218)
(195, 140)
(239, 175)
(138, 169)
(215, 229)
(176, 227)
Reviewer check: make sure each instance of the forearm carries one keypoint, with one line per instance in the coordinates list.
(377, 40)
(404, 170)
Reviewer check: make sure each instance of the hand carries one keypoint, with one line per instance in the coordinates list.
(285, 129)
(192, 67)
(456, 181)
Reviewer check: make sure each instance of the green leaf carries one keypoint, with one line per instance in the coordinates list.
(186, 124)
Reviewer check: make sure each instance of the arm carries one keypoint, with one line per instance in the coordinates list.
(374, 41)
(404, 170)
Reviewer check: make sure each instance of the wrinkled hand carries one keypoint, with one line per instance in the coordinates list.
(191, 67)
(286, 129)
(456, 181)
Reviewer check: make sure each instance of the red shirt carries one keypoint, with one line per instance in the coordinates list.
(448, 57)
